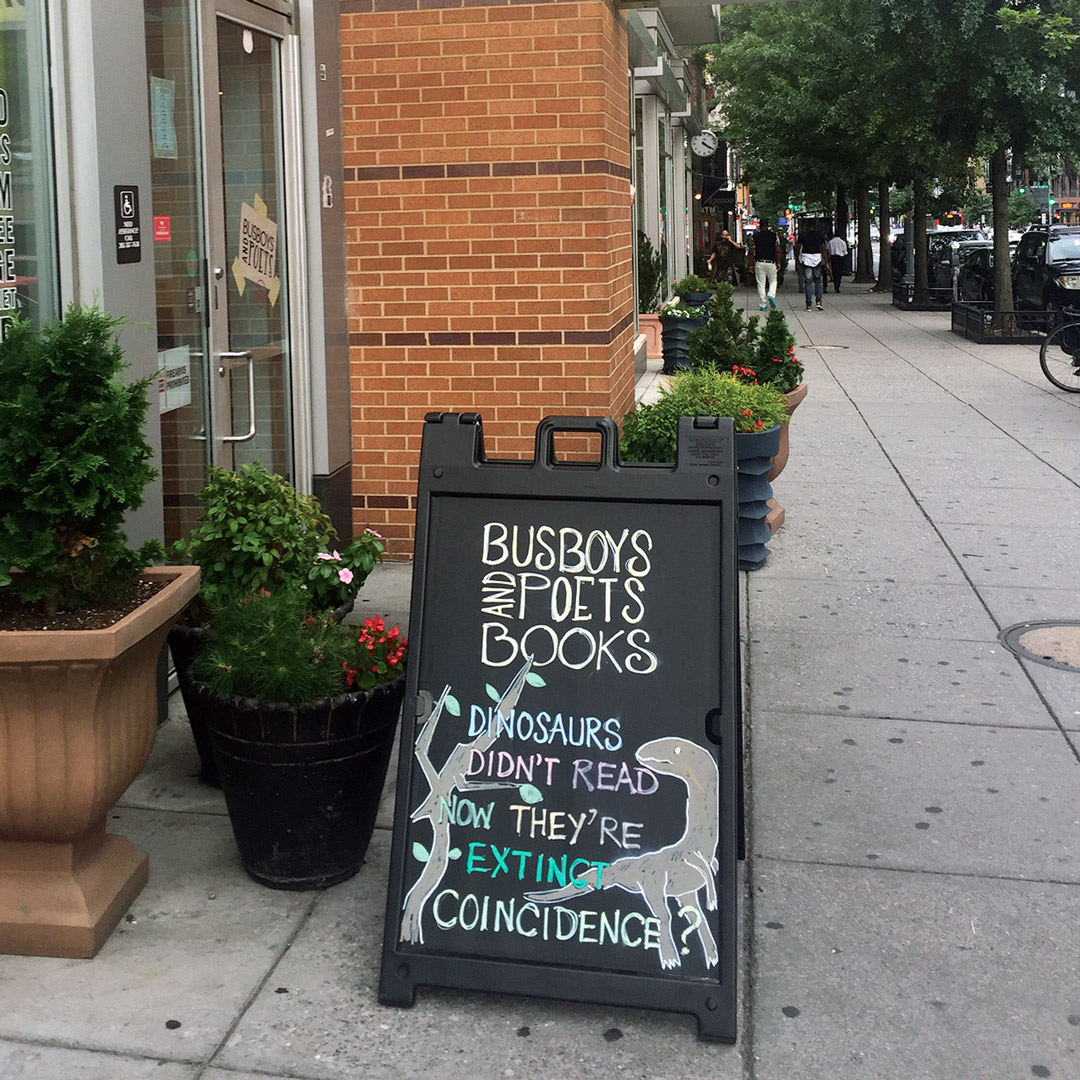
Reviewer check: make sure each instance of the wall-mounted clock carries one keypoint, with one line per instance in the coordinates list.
(704, 143)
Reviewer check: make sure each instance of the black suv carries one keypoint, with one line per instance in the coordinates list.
(975, 270)
(1046, 268)
(939, 253)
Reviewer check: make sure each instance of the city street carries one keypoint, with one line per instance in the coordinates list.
(909, 899)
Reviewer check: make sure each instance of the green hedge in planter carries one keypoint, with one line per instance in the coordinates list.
(731, 341)
(649, 433)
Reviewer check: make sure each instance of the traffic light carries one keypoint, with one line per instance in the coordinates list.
(1022, 189)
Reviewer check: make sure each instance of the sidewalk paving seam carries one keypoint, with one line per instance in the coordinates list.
(960, 401)
(948, 546)
(271, 967)
(795, 710)
(878, 868)
(37, 1042)
(1043, 385)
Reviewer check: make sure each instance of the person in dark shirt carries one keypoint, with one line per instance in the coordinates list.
(765, 264)
(722, 259)
(813, 256)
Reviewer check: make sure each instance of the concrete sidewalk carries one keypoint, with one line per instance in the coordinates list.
(912, 878)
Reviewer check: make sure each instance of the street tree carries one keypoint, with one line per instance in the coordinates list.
(858, 91)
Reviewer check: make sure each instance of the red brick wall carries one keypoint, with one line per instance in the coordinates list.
(487, 188)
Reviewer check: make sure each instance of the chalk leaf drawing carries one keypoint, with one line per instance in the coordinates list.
(442, 784)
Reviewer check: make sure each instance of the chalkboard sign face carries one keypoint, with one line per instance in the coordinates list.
(561, 791)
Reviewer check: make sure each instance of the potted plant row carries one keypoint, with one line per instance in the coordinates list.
(759, 412)
(83, 619)
(733, 342)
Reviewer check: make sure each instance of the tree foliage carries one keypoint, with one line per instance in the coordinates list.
(917, 92)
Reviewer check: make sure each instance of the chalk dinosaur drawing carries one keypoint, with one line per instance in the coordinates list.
(443, 783)
(678, 871)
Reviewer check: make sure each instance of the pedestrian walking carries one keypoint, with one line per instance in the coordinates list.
(722, 259)
(764, 264)
(838, 256)
(813, 256)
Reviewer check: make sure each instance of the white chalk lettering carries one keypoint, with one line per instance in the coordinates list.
(474, 914)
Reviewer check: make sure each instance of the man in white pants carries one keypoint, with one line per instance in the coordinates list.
(765, 263)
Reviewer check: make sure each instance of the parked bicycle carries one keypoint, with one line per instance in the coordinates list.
(1059, 356)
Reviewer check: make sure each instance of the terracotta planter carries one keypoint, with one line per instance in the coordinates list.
(775, 517)
(78, 715)
(649, 325)
(794, 400)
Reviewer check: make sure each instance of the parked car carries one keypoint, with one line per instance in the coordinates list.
(975, 271)
(1046, 268)
(939, 254)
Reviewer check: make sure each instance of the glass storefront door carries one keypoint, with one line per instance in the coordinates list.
(219, 146)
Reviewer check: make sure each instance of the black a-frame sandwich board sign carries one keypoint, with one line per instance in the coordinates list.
(567, 817)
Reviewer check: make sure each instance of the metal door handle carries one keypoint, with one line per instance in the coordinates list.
(251, 393)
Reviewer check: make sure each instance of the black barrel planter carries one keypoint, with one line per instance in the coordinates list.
(184, 643)
(754, 451)
(696, 299)
(302, 784)
(674, 332)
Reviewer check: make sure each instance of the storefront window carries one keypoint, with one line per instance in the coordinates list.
(179, 257)
(28, 277)
(664, 143)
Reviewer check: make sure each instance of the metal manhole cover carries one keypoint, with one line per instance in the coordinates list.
(1055, 643)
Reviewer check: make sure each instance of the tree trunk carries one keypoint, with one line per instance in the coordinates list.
(918, 209)
(841, 216)
(864, 271)
(884, 270)
(999, 187)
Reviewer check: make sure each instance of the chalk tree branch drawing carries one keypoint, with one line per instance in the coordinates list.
(443, 783)
(678, 871)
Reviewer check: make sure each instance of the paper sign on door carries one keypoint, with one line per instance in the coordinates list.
(257, 260)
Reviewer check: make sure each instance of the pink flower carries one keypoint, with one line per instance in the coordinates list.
(378, 536)
(336, 557)
(345, 575)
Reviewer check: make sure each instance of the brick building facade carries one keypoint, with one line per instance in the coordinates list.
(488, 217)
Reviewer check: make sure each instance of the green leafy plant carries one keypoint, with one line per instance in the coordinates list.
(73, 461)
(650, 432)
(259, 532)
(728, 339)
(271, 648)
(775, 361)
(690, 283)
(650, 267)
